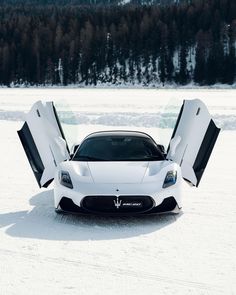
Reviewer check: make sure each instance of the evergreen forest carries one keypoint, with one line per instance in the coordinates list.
(71, 42)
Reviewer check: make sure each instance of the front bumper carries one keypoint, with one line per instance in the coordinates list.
(106, 205)
(115, 199)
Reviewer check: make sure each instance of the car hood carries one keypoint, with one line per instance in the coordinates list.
(115, 172)
(118, 172)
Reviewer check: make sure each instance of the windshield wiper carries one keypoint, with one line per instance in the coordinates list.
(154, 158)
(87, 158)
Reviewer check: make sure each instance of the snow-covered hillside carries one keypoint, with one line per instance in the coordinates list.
(190, 253)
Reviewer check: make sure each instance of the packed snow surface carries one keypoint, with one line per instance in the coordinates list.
(44, 253)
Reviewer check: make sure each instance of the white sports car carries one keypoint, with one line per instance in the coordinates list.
(118, 172)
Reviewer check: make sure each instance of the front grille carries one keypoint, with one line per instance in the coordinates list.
(117, 205)
(67, 205)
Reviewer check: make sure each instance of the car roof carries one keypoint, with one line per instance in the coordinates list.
(118, 133)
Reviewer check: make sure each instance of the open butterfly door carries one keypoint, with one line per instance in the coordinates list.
(193, 140)
(44, 142)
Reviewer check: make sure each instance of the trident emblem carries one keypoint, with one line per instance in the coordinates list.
(117, 202)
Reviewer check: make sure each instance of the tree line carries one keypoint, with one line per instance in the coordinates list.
(48, 44)
(92, 2)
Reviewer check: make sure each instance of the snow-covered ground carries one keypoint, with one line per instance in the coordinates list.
(42, 253)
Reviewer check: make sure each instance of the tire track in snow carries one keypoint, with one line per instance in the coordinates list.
(119, 271)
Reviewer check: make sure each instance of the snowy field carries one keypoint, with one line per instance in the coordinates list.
(42, 253)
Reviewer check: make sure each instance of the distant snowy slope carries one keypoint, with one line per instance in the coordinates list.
(120, 107)
(157, 119)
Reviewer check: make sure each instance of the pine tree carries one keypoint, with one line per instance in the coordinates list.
(183, 72)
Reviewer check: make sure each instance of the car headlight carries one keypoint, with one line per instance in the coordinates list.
(64, 178)
(170, 179)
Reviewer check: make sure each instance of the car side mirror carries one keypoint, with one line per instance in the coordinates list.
(173, 145)
(73, 149)
(161, 148)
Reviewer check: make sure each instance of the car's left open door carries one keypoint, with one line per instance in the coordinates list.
(44, 142)
(193, 140)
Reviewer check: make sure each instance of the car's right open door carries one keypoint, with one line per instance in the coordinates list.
(193, 139)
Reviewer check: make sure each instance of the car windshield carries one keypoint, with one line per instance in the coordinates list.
(118, 148)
